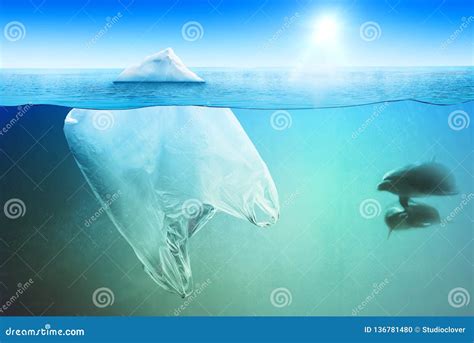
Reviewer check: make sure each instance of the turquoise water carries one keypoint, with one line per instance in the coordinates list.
(254, 88)
(327, 255)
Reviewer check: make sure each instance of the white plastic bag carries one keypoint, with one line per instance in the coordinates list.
(173, 168)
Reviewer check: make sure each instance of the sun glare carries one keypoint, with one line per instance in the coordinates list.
(326, 30)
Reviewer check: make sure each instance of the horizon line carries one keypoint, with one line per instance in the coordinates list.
(268, 67)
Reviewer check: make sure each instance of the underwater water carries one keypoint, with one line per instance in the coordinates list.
(328, 254)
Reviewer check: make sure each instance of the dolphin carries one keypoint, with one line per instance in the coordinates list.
(416, 215)
(419, 180)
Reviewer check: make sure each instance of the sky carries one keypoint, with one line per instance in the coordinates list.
(236, 33)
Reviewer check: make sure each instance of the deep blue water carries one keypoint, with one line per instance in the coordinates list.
(327, 255)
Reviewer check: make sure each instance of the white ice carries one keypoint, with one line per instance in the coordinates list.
(164, 66)
(161, 173)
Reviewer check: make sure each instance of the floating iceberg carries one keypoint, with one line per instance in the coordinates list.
(164, 66)
(161, 173)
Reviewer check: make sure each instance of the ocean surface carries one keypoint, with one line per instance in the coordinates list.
(254, 88)
(327, 138)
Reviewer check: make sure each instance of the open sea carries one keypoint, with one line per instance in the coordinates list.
(327, 138)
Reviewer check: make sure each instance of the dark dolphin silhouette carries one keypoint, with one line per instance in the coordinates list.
(419, 180)
(416, 180)
(416, 215)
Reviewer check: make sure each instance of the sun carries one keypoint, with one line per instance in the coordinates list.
(326, 30)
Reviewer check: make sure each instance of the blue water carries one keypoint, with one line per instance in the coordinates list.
(324, 256)
(254, 88)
